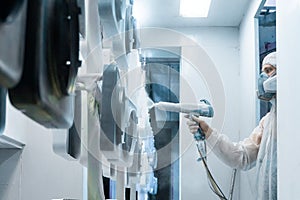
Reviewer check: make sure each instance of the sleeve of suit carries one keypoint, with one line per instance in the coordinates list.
(240, 155)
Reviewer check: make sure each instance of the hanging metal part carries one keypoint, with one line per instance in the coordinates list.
(112, 16)
(147, 182)
(12, 31)
(118, 120)
(120, 9)
(129, 30)
(45, 92)
(136, 38)
(109, 130)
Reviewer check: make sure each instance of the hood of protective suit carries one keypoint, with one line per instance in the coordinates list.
(267, 85)
(270, 59)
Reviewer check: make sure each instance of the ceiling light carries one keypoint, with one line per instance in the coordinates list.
(270, 3)
(194, 8)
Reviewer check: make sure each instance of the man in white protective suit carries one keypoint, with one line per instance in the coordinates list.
(260, 148)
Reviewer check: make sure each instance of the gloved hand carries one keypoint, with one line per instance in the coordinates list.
(195, 123)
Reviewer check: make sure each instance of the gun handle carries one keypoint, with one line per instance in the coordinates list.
(199, 135)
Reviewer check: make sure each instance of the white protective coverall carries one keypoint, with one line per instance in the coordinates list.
(259, 149)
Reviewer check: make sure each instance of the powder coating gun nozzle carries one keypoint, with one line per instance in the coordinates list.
(203, 108)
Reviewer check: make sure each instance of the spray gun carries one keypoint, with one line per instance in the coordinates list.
(203, 108)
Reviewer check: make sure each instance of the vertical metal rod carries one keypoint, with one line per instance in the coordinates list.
(95, 184)
(132, 191)
(120, 183)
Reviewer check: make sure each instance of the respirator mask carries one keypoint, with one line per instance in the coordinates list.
(267, 86)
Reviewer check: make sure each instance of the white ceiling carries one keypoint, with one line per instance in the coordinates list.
(165, 13)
